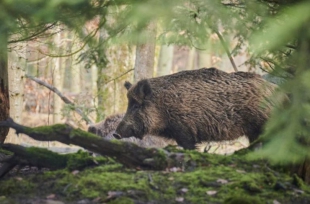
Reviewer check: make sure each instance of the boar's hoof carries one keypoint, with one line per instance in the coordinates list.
(117, 136)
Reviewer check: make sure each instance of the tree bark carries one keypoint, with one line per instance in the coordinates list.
(191, 59)
(4, 86)
(76, 67)
(17, 65)
(57, 80)
(145, 53)
(101, 77)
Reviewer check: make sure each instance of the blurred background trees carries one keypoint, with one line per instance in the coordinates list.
(88, 49)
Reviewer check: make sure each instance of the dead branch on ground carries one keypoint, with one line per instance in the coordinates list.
(128, 154)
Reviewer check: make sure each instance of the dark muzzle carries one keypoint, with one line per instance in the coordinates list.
(117, 136)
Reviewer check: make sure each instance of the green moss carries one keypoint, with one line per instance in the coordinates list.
(78, 131)
(122, 200)
(44, 156)
(270, 179)
(243, 199)
(82, 159)
(17, 185)
(161, 158)
(299, 182)
(115, 141)
(5, 152)
(231, 178)
(46, 129)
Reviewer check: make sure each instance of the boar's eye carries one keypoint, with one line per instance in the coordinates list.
(135, 106)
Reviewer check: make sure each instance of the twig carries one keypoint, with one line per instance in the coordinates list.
(226, 49)
(119, 76)
(64, 98)
(87, 39)
(34, 35)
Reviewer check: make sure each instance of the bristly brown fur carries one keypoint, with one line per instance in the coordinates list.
(107, 127)
(104, 128)
(198, 105)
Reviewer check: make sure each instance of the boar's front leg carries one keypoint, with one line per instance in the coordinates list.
(185, 141)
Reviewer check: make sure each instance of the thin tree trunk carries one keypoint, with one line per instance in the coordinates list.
(204, 59)
(191, 59)
(165, 60)
(145, 53)
(101, 76)
(57, 81)
(94, 77)
(76, 68)
(4, 87)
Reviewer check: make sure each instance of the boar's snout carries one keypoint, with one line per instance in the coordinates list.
(124, 130)
(117, 136)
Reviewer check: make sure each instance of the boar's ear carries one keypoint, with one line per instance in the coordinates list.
(127, 85)
(143, 89)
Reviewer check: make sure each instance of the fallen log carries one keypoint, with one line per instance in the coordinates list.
(44, 158)
(128, 154)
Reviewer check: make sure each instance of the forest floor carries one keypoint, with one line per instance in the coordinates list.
(205, 178)
(221, 179)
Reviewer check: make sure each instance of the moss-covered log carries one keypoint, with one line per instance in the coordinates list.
(128, 154)
(43, 158)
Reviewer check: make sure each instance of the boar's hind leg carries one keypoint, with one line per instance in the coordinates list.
(254, 123)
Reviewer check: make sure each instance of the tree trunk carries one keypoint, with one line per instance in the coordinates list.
(94, 78)
(17, 65)
(145, 53)
(4, 87)
(191, 59)
(204, 59)
(57, 81)
(165, 60)
(76, 67)
(101, 64)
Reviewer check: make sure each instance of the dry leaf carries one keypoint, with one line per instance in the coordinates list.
(51, 196)
(75, 172)
(211, 192)
(184, 190)
(19, 178)
(179, 199)
(222, 181)
(241, 171)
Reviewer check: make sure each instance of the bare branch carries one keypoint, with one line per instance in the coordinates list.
(226, 49)
(34, 35)
(64, 98)
(120, 76)
(87, 38)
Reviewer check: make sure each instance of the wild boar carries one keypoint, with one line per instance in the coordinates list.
(197, 106)
(107, 127)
